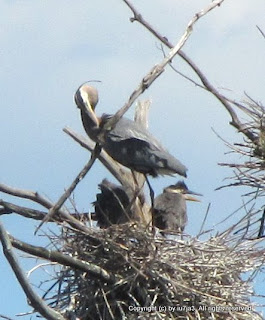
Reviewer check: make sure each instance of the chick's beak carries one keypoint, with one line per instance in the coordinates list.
(189, 196)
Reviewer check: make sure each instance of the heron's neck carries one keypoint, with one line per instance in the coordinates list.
(90, 126)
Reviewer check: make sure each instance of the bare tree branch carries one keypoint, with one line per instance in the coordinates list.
(23, 211)
(5, 317)
(37, 198)
(36, 302)
(26, 194)
(141, 117)
(156, 71)
(141, 113)
(8, 208)
(208, 86)
(119, 172)
(73, 185)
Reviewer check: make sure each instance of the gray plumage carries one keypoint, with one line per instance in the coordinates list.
(170, 210)
(134, 147)
(128, 143)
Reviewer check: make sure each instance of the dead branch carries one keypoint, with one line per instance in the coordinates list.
(35, 301)
(26, 194)
(73, 185)
(5, 317)
(8, 208)
(37, 198)
(207, 85)
(119, 172)
(158, 69)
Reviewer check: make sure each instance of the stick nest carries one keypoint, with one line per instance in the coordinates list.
(142, 276)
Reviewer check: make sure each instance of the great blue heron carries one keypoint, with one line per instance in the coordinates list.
(170, 210)
(112, 205)
(128, 143)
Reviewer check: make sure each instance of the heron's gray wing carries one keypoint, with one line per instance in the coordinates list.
(134, 147)
(128, 129)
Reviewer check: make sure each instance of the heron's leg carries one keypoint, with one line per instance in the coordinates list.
(152, 194)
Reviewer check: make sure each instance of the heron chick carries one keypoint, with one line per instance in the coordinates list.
(170, 210)
(112, 205)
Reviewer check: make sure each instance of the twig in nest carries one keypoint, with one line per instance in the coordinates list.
(262, 225)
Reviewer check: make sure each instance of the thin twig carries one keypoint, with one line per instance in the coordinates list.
(262, 33)
(119, 172)
(73, 185)
(204, 220)
(262, 226)
(5, 317)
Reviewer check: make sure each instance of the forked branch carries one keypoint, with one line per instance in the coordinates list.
(235, 122)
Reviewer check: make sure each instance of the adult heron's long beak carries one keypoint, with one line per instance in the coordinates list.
(90, 112)
(82, 100)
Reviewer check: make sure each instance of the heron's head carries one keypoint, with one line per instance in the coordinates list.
(181, 188)
(86, 99)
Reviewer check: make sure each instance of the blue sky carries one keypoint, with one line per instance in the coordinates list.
(49, 48)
